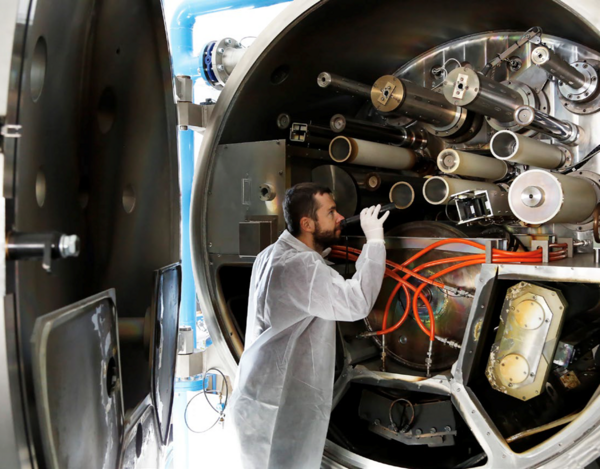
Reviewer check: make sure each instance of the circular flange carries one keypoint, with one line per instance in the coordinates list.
(217, 57)
(514, 368)
(530, 98)
(590, 102)
(584, 92)
(456, 125)
(388, 93)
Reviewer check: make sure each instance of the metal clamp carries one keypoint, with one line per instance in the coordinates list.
(545, 245)
(11, 131)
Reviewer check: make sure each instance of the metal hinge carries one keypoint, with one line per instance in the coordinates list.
(10, 131)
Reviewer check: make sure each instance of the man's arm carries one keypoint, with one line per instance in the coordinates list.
(332, 297)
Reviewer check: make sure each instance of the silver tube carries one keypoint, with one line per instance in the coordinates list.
(466, 88)
(462, 163)
(563, 131)
(355, 88)
(509, 146)
(361, 152)
(537, 197)
(557, 67)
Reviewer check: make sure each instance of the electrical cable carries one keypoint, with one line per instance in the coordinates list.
(406, 427)
(585, 159)
(205, 392)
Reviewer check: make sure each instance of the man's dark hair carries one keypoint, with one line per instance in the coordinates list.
(300, 202)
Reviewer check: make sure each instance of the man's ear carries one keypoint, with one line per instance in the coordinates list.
(307, 224)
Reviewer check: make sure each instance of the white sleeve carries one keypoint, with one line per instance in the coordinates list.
(332, 297)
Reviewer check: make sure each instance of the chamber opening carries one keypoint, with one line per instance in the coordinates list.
(402, 195)
(504, 145)
(340, 149)
(435, 190)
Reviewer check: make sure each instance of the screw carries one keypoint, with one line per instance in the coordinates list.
(418, 431)
(220, 68)
(403, 340)
(376, 422)
(432, 430)
(69, 245)
(447, 428)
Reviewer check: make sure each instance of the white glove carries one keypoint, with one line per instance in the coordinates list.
(371, 225)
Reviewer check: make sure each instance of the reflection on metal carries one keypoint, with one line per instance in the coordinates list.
(341, 184)
(523, 351)
(142, 448)
(77, 375)
(165, 310)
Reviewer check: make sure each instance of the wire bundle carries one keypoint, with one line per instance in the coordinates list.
(394, 271)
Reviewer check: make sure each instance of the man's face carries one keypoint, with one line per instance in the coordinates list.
(327, 227)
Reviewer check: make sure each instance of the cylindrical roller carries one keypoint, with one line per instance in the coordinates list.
(471, 90)
(439, 189)
(400, 97)
(362, 129)
(354, 88)
(407, 193)
(563, 131)
(462, 163)
(362, 152)
(557, 67)
(539, 196)
(509, 146)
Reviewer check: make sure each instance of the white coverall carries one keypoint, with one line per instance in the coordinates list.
(283, 397)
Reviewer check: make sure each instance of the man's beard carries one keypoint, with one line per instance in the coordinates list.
(325, 239)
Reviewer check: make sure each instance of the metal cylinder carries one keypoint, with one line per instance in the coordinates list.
(362, 152)
(557, 67)
(461, 163)
(539, 196)
(509, 146)
(231, 57)
(354, 88)
(37, 245)
(439, 189)
(563, 131)
(407, 193)
(471, 90)
(363, 129)
(400, 97)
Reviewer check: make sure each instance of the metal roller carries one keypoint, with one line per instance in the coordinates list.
(564, 131)
(407, 193)
(577, 81)
(398, 97)
(362, 152)
(538, 197)
(438, 190)
(351, 87)
(462, 163)
(515, 148)
(476, 92)
(363, 129)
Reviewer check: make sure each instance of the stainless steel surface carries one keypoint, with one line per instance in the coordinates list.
(335, 82)
(77, 375)
(534, 119)
(141, 443)
(341, 184)
(165, 310)
(235, 195)
(467, 88)
(522, 353)
(538, 197)
(557, 67)
(307, 27)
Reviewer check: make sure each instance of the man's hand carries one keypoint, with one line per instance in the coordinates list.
(371, 225)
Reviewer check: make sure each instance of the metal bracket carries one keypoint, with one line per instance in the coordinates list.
(490, 245)
(184, 88)
(569, 243)
(545, 245)
(11, 131)
(193, 116)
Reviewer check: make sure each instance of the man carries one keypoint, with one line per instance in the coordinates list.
(282, 401)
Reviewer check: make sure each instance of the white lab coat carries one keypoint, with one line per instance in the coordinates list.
(284, 387)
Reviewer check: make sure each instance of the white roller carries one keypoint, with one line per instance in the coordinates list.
(538, 197)
(362, 152)
(462, 163)
(438, 189)
(509, 146)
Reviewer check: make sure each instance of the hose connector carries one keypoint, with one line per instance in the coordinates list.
(429, 359)
(448, 342)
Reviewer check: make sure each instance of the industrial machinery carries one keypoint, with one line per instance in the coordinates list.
(476, 124)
